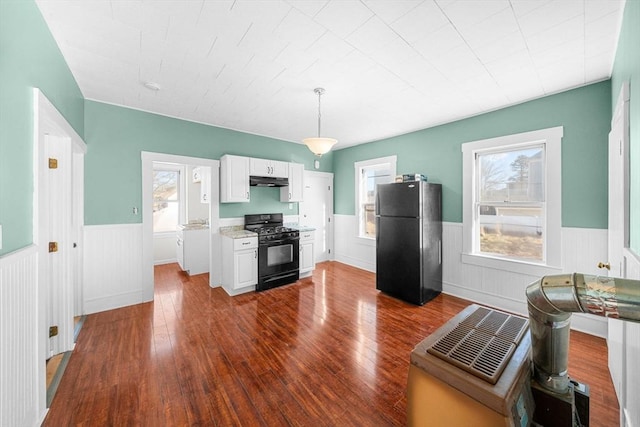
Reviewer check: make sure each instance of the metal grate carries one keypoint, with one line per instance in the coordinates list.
(482, 343)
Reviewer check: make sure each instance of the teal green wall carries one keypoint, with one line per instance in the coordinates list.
(627, 68)
(29, 58)
(436, 152)
(116, 136)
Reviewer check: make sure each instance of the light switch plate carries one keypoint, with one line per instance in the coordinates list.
(0, 236)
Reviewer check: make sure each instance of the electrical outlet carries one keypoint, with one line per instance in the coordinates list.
(135, 211)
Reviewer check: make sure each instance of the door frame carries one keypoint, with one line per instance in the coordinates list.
(48, 120)
(215, 264)
(617, 329)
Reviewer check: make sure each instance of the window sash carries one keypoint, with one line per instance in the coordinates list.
(172, 202)
(369, 174)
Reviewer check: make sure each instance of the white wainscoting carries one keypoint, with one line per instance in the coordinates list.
(22, 384)
(582, 249)
(112, 266)
(351, 249)
(164, 248)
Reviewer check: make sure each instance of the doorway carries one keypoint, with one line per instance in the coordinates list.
(317, 211)
(58, 221)
(148, 160)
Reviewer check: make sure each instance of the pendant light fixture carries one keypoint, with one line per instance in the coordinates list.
(319, 145)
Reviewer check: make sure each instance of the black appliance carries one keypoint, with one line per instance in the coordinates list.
(409, 240)
(278, 250)
(268, 181)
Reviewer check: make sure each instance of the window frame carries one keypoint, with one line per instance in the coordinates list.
(182, 202)
(551, 139)
(358, 167)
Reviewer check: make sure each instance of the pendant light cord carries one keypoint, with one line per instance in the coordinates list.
(319, 112)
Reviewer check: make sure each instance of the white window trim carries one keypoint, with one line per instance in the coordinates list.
(392, 160)
(552, 138)
(182, 188)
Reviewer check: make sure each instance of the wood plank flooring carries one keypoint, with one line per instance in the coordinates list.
(326, 351)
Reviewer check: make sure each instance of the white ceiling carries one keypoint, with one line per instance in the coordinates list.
(388, 66)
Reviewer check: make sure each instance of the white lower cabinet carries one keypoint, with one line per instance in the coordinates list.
(307, 256)
(192, 250)
(239, 264)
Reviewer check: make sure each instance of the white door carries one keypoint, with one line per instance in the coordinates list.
(317, 211)
(58, 261)
(618, 232)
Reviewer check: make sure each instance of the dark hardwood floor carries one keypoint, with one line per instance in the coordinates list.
(327, 351)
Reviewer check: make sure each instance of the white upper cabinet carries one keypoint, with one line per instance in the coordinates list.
(196, 174)
(294, 191)
(234, 179)
(273, 168)
(205, 185)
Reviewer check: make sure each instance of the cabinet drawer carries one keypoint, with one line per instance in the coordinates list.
(306, 235)
(246, 243)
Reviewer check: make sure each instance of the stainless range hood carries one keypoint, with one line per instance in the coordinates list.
(267, 181)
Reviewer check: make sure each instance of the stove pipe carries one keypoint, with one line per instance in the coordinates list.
(552, 299)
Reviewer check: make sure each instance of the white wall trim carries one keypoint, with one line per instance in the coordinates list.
(113, 266)
(215, 266)
(582, 249)
(551, 138)
(12, 257)
(110, 302)
(22, 365)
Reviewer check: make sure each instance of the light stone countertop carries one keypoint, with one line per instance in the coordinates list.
(236, 232)
(299, 227)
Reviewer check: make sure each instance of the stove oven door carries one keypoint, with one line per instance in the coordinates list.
(278, 262)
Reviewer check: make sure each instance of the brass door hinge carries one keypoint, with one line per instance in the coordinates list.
(53, 331)
(53, 246)
(53, 163)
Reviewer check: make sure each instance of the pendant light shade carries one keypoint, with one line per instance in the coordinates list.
(319, 145)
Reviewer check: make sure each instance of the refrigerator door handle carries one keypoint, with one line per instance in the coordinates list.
(439, 251)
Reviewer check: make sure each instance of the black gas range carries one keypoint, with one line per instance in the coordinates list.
(278, 250)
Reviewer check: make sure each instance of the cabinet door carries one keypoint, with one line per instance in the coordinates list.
(279, 169)
(180, 253)
(234, 179)
(263, 167)
(246, 268)
(259, 167)
(205, 186)
(196, 175)
(295, 190)
(306, 257)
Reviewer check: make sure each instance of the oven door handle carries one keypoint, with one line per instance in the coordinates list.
(280, 241)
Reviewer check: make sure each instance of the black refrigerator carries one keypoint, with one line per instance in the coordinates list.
(409, 240)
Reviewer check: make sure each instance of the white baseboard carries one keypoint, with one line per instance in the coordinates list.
(113, 267)
(110, 302)
(582, 249)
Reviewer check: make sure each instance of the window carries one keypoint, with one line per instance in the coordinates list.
(167, 198)
(512, 198)
(370, 173)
